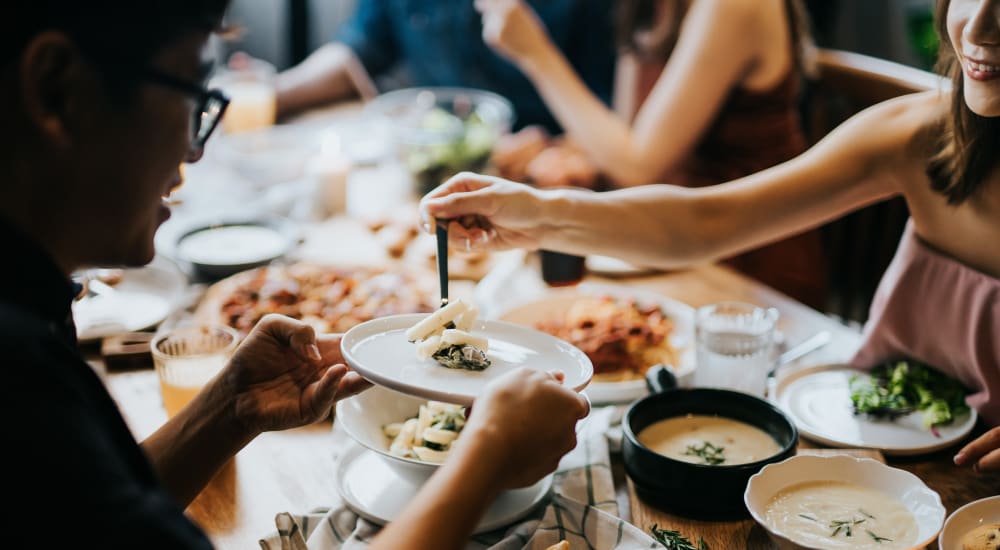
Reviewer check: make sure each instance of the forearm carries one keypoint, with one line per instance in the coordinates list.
(191, 447)
(606, 137)
(446, 510)
(331, 73)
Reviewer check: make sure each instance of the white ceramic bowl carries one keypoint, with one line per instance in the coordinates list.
(967, 518)
(363, 417)
(920, 500)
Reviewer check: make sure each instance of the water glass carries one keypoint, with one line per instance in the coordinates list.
(735, 342)
(560, 269)
(187, 357)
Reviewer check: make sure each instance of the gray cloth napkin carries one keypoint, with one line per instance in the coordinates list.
(581, 509)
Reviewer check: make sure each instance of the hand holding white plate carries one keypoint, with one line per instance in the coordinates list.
(379, 351)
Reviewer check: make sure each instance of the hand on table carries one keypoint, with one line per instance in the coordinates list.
(523, 425)
(283, 376)
(983, 453)
(486, 213)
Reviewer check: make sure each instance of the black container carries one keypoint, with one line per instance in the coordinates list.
(560, 269)
(698, 490)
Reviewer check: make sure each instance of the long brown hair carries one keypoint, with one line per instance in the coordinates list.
(651, 36)
(967, 144)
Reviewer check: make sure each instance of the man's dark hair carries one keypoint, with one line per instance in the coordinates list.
(111, 32)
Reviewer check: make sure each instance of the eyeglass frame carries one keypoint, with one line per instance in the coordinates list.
(204, 97)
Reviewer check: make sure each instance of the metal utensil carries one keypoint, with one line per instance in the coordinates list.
(801, 349)
(441, 232)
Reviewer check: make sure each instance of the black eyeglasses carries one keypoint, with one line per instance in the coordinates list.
(210, 108)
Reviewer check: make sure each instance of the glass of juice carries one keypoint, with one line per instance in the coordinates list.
(187, 357)
(250, 85)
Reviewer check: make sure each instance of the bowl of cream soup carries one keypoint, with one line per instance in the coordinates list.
(692, 451)
(221, 249)
(843, 502)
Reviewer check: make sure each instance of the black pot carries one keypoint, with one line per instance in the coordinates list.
(698, 490)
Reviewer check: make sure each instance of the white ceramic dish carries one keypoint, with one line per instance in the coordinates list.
(921, 501)
(818, 400)
(142, 299)
(363, 417)
(378, 350)
(613, 267)
(375, 491)
(965, 519)
(557, 302)
(217, 246)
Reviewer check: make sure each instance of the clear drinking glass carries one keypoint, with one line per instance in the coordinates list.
(250, 85)
(187, 357)
(734, 346)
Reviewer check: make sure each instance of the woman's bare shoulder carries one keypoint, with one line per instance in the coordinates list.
(899, 128)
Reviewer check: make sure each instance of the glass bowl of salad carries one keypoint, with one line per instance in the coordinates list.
(439, 132)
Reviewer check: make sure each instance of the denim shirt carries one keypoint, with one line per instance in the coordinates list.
(439, 43)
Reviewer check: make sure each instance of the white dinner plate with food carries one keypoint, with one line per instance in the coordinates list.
(376, 492)
(565, 305)
(974, 526)
(136, 299)
(381, 351)
(818, 400)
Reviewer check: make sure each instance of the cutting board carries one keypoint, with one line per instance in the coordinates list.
(721, 535)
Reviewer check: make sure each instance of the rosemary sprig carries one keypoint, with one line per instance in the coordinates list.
(866, 514)
(808, 517)
(674, 540)
(708, 452)
(877, 538)
(844, 525)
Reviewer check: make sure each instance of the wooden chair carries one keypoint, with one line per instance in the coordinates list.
(859, 246)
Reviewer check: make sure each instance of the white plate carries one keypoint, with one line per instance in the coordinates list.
(613, 267)
(379, 351)
(143, 298)
(557, 302)
(374, 491)
(980, 512)
(819, 402)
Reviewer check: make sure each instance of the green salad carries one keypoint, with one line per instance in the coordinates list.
(902, 387)
(466, 145)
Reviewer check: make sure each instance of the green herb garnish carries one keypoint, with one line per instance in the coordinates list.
(844, 526)
(808, 517)
(708, 452)
(673, 540)
(900, 388)
(866, 514)
(877, 538)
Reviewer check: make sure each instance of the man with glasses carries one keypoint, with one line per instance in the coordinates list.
(102, 103)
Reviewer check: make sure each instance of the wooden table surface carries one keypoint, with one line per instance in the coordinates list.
(294, 470)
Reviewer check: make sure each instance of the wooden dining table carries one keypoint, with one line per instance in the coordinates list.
(294, 470)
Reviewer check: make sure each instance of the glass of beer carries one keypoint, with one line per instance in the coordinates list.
(187, 357)
(250, 85)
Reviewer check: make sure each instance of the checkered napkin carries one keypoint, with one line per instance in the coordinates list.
(581, 509)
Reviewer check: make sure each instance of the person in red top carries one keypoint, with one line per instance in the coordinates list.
(706, 91)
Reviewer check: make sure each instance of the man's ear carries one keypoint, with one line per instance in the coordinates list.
(53, 77)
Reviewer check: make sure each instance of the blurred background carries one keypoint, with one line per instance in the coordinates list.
(284, 32)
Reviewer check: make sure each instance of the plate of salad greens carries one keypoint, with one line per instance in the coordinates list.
(899, 408)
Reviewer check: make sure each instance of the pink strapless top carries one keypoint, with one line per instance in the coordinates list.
(932, 308)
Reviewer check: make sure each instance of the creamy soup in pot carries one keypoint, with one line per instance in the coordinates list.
(836, 514)
(714, 440)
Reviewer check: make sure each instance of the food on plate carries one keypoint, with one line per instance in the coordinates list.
(621, 337)
(400, 236)
(330, 299)
(836, 514)
(898, 388)
(561, 545)
(429, 435)
(984, 537)
(464, 143)
(713, 440)
(446, 336)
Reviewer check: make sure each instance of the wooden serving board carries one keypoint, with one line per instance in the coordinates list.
(721, 535)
